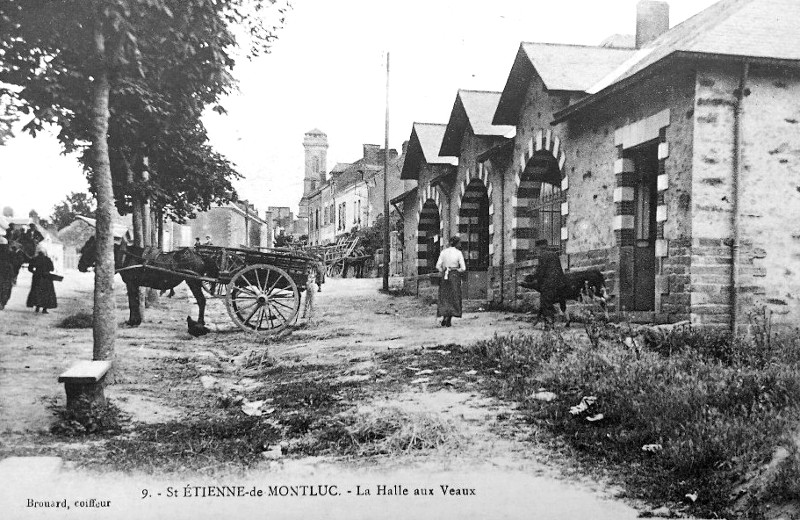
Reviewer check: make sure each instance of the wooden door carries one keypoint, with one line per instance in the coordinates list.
(644, 252)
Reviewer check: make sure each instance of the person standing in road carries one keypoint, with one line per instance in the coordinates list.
(43, 293)
(450, 264)
(6, 273)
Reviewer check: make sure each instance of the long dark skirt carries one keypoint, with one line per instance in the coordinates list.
(43, 293)
(450, 295)
(6, 282)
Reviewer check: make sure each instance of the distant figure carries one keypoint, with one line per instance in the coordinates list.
(11, 233)
(43, 293)
(451, 264)
(320, 268)
(311, 289)
(6, 273)
(33, 234)
(197, 241)
(208, 241)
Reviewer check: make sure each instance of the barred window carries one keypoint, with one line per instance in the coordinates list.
(546, 214)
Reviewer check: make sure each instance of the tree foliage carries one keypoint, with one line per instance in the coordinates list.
(76, 203)
(125, 81)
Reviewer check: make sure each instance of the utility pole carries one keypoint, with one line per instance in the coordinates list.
(386, 189)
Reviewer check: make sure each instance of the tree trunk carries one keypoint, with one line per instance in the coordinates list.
(135, 299)
(151, 295)
(105, 320)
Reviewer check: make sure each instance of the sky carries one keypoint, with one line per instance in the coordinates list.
(327, 70)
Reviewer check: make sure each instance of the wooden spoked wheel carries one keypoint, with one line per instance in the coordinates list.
(214, 289)
(262, 298)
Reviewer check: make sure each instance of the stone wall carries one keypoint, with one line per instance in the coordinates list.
(769, 197)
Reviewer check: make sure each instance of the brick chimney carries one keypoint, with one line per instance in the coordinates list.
(372, 154)
(652, 20)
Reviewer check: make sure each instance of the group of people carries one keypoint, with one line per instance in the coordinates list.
(42, 295)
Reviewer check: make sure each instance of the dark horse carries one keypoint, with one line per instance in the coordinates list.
(184, 260)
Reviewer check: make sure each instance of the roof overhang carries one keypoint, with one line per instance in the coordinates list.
(402, 196)
(660, 66)
(504, 148)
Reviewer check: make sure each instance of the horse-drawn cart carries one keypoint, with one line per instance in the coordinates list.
(261, 289)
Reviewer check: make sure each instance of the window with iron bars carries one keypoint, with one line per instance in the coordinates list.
(546, 214)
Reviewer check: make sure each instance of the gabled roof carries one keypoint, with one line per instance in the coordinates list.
(423, 146)
(756, 29)
(472, 109)
(573, 68)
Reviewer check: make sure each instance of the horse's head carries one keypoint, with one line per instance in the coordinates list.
(88, 252)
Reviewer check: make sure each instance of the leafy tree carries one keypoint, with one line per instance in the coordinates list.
(8, 211)
(76, 203)
(72, 58)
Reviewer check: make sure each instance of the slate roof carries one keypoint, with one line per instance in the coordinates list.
(474, 109)
(757, 29)
(572, 68)
(424, 145)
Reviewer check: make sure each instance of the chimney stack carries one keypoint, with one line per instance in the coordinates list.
(652, 20)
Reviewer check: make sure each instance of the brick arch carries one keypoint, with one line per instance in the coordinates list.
(529, 189)
(428, 211)
(468, 211)
(481, 174)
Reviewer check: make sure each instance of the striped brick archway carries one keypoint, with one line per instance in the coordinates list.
(429, 229)
(529, 188)
(476, 194)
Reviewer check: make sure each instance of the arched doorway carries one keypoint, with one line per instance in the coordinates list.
(473, 225)
(539, 198)
(428, 237)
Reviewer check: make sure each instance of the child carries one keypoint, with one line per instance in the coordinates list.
(311, 293)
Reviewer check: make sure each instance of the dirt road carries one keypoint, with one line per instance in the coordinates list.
(355, 360)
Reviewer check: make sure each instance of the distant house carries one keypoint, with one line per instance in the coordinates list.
(75, 235)
(351, 197)
(236, 224)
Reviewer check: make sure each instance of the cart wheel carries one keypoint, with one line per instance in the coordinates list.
(215, 289)
(262, 298)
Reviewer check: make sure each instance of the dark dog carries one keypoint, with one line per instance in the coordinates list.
(582, 286)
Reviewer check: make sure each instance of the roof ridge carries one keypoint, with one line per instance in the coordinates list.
(581, 46)
(429, 124)
(479, 91)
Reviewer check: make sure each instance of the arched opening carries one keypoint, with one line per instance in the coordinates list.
(540, 198)
(428, 238)
(473, 226)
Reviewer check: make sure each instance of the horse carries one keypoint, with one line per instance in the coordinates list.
(176, 263)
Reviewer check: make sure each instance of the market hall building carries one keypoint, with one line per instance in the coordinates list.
(673, 167)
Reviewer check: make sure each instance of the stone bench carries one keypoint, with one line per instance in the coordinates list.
(84, 384)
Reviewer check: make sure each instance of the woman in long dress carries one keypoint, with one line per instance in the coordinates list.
(6, 273)
(450, 264)
(43, 293)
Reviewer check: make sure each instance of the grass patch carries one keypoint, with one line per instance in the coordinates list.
(716, 407)
(204, 445)
(91, 419)
(386, 431)
(79, 320)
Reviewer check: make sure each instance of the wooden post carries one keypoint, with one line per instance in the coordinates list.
(386, 189)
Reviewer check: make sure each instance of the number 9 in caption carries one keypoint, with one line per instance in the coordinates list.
(145, 493)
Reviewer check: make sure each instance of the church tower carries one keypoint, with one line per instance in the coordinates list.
(316, 148)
